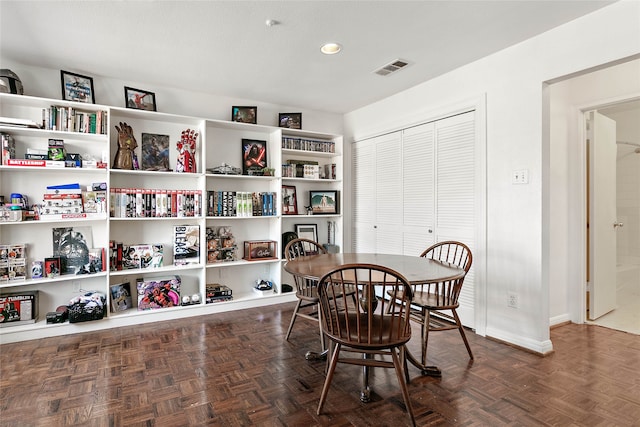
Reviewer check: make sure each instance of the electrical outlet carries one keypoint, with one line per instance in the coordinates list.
(512, 300)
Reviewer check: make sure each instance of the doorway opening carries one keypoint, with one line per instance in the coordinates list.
(624, 280)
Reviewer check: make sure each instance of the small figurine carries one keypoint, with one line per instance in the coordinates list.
(126, 144)
(187, 152)
(309, 209)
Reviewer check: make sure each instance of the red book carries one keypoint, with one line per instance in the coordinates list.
(26, 162)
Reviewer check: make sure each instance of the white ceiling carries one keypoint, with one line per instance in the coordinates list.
(225, 47)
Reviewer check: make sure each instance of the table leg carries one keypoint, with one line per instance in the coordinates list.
(314, 355)
(430, 371)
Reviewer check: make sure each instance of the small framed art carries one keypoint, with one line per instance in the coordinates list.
(289, 200)
(155, 152)
(290, 120)
(254, 156)
(244, 114)
(139, 99)
(307, 231)
(76, 87)
(323, 202)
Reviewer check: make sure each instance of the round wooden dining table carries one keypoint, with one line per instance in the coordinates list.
(415, 269)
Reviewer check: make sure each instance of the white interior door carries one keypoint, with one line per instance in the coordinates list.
(602, 214)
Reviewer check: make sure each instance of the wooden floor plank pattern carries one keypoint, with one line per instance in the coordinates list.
(235, 369)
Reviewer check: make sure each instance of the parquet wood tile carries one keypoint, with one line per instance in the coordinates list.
(236, 369)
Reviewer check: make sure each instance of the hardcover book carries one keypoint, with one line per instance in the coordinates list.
(186, 244)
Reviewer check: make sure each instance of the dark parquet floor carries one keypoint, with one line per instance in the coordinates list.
(235, 369)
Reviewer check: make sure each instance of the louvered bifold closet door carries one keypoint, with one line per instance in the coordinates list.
(418, 160)
(455, 193)
(377, 189)
(364, 197)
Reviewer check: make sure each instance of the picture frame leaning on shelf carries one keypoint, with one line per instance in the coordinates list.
(76, 87)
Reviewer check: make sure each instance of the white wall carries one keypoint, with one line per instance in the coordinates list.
(517, 252)
(46, 83)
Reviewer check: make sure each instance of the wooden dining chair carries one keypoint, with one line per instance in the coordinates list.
(368, 326)
(306, 289)
(435, 304)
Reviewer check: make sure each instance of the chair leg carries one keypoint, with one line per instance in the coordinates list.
(327, 381)
(462, 334)
(293, 319)
(322, 344)
(403, 385)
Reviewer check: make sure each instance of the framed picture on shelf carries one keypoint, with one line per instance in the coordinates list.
(307, 231)
(139, 99)
(289, 200)
(76, 87)
(244, 114)
(155, 152)
(254, 156)
(290, 120)
(323, 202)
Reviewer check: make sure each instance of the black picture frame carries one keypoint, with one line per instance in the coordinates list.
(290, 120)
(289, 200)
(76, 87)
(254, 156)
(244, 114)
(139, 99)
(324, 202)
(307, 231)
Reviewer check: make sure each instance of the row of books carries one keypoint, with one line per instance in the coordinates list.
(154, 203)
(68, 119)
(241, 203)
(305, 144)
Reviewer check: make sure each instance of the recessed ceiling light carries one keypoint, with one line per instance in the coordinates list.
(330, 48)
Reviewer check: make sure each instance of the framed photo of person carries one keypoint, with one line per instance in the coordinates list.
(323, 202)
(289, 200)
(139, 99)
(290, 120)
(254, 156)
(307, 231)
(244, 114)
(76, 87)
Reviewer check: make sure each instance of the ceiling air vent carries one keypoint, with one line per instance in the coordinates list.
(392, 67)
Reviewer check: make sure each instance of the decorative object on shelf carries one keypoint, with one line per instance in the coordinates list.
(10, 82)
(76, 87)
(307, 231)
(216, 292)
(289, 200)
(309, 210)
(287, 236)
(13, 262)
(139, 99)
(225, 169)
(52, 267)
(221, 245)
(158, 293)
(121, 297)
(260, 250)
(72, 245)
(290, 120)
(37, 269)
(323, 202)
(155, 152)
(87, 307)
(254, 156)
(268, 171)
(17, 308)
(264, 287)
(331, 246)
(244, 114)
(126, 145)
(186, 161)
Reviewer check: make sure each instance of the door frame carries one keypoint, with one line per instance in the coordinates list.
(577, 300)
